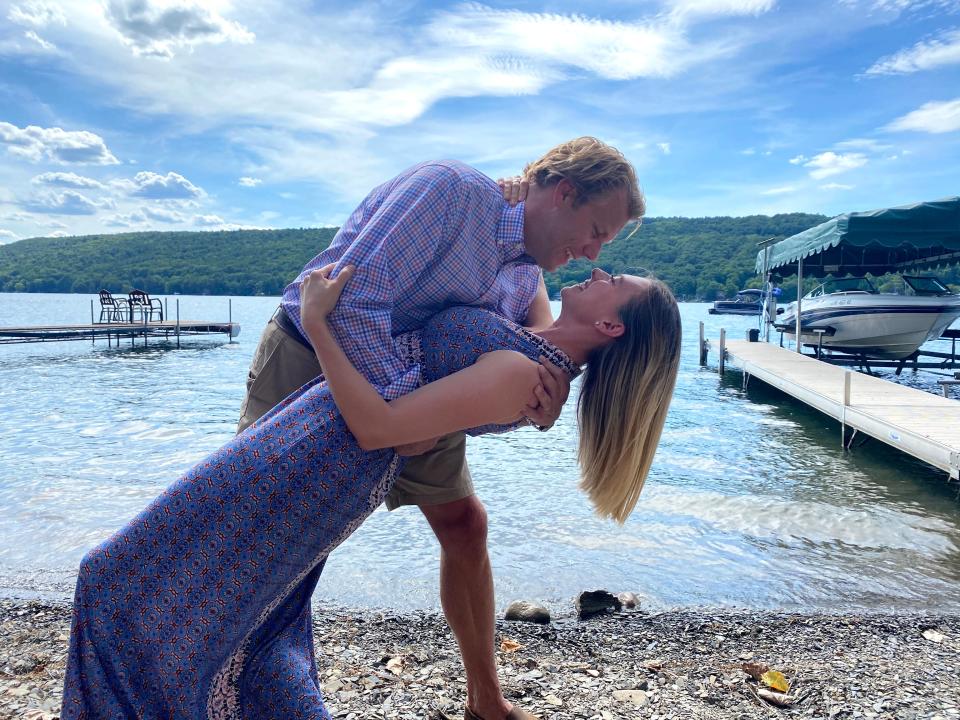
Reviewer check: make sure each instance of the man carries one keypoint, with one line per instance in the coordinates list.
(440, 234)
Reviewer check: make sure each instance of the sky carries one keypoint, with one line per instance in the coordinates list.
(125, 115)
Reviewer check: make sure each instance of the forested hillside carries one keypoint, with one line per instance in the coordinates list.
(700, 258)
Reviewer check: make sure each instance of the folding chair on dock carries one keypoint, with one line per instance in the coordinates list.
(149, 308)
(113, 309)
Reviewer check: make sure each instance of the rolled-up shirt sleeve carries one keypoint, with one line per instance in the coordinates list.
(397, 243)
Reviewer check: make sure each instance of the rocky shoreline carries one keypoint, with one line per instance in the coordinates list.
(680, 664)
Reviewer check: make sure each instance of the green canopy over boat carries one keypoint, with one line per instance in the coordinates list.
(907, 238)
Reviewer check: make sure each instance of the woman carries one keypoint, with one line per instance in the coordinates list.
(199, 608)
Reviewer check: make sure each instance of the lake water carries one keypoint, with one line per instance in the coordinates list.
(750, 501)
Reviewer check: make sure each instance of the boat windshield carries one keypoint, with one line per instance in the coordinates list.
(850, 286)
(926, 285)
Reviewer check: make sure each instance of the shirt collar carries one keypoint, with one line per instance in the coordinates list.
(510, 235)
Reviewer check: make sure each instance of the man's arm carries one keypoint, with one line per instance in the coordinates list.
(390, 251)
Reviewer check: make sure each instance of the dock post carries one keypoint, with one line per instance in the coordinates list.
(230, 319)
(847, 375)
(799, 347)
(178, 323)
(723, 350)
(93, 335)
(703, 347)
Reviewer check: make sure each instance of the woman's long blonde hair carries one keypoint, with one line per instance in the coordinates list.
(624, 397)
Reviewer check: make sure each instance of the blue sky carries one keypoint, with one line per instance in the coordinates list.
(120, 115)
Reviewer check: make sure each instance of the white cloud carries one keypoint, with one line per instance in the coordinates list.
(798, 159)
(830, 163)
(7, 236)
(36, 13)
(867, 144)
(55, 144)
(721, 7)
(69, 202)
(932, 117)
(208, 221)
(59, 233)
(125, 219)
(897, 7)
(156, 29)
(249, 182)
(664, 147)
(163, 215)
(611, 49)
(748, 151)
(783, 190)
(171, 186)
(15, 217)
(836, 186)
(66, 179)
(56, 224)
(925, 55)
(32, 36)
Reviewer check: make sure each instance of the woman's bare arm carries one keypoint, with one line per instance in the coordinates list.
(495, 389)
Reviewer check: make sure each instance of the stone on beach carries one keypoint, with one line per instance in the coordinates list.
(596, 602)
(523, 611)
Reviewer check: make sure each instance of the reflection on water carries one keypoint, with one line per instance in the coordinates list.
(750, 501)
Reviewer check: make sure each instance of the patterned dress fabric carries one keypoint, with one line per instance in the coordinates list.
(200, 606)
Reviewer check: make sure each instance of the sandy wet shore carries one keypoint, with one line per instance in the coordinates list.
(633, 664)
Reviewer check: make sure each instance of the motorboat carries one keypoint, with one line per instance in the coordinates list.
(747, 302)
(849, 315)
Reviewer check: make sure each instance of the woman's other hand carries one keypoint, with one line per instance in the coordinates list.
(514, 189)
(319, 294)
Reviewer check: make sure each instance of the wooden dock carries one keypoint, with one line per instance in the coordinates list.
(919, 423)
(114, 331)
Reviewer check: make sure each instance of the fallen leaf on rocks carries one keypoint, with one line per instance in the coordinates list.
(755, 669)
(774, 697)
(933, 636)
(552, 699)
(776, 680)
(508, 646)
(395, 665)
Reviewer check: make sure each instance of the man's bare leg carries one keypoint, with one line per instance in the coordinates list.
(466, 593)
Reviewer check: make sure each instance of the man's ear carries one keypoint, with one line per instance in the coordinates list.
(564, 193)
(610, 328)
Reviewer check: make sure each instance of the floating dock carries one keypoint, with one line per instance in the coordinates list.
(918, 423)
(116, 331)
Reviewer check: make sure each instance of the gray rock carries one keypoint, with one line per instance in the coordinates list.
(630, 600)
(596, 602)
(524, 611)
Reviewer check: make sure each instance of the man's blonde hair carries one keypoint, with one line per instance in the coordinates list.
(593, 168)
(624, 397)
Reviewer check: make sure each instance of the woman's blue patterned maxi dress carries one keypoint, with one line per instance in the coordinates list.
(200, 607)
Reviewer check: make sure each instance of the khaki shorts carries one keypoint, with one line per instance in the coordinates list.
(281, 364)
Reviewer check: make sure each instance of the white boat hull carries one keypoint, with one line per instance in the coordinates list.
(876, 325)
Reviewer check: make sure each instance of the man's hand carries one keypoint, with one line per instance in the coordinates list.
(514, 189)
(417, 448)
(550, 395)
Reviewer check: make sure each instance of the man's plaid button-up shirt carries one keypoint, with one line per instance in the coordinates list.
(437, 235)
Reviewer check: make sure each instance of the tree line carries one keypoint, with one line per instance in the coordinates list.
(699, 258)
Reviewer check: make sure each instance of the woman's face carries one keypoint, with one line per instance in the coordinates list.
(602, 296)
